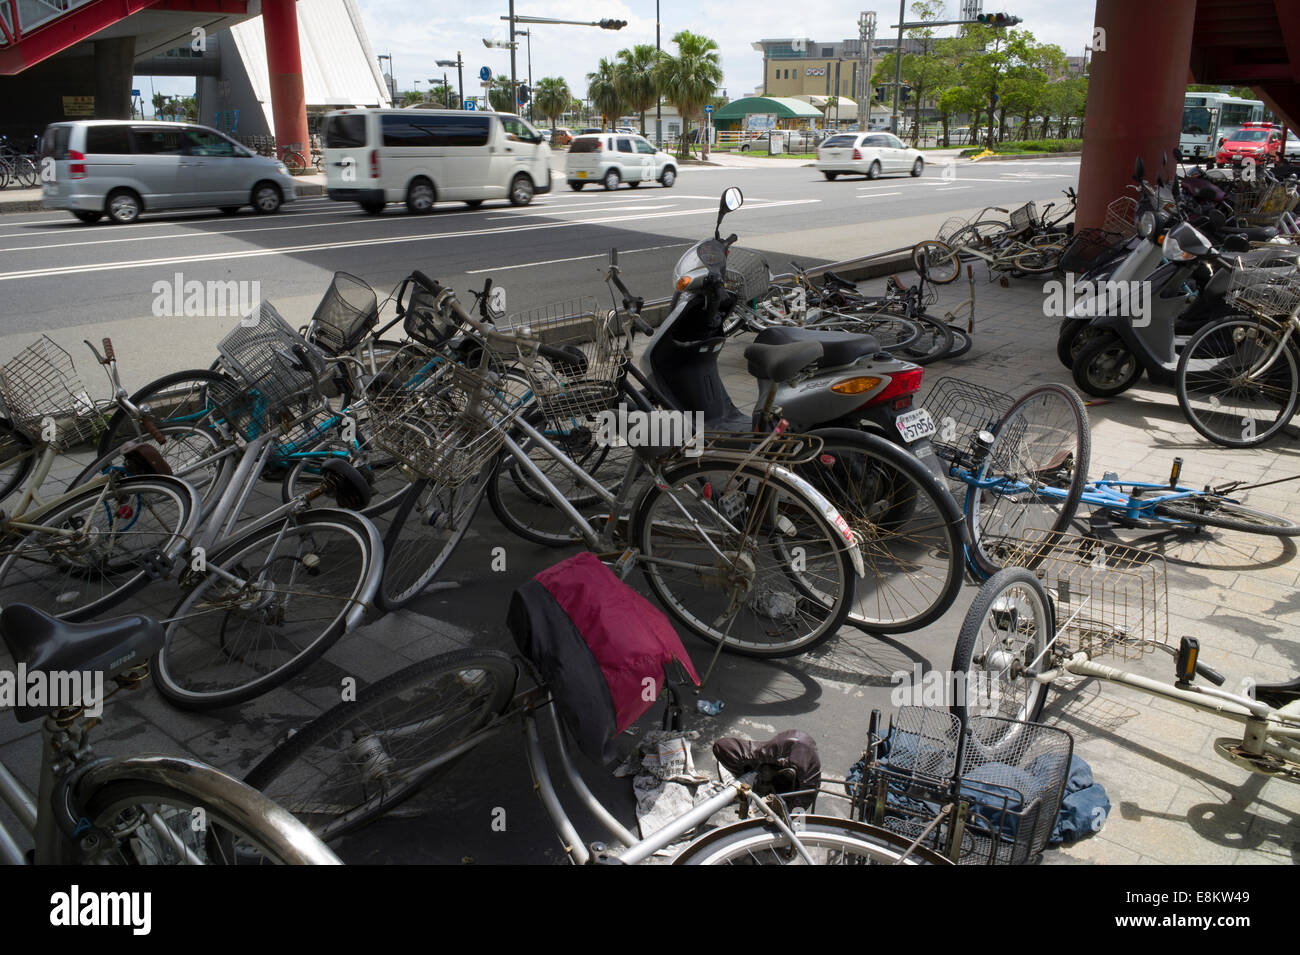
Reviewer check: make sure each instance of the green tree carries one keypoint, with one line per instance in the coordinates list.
(636, 75)
(689, 80)
(929, 72)
(552, 98)
(501, 94)
(985, 72)
(956, 99)
(603, 91)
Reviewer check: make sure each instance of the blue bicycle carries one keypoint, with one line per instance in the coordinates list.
(1022, 464)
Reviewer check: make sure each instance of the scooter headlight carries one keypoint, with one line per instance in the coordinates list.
(1146, 224)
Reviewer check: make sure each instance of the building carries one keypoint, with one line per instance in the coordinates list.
(802, 67)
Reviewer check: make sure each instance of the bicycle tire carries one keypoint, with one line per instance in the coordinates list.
(412, 561)
(188, 670)
(937, 260)
(908, 527)
(294, 162)
(323, 743)
(17, 458)
(935, 343)
(1022, 448)
(236, 821)
(1222, 352)
(788, 587)
(188, 397)
(183, 450)
(387, 477)
(845, 842)
(168, 525)
(1038, 260)
(895, 332)
(25, 173)
(994, 673)
(1247, 520)
(961, 342)
(981, 234)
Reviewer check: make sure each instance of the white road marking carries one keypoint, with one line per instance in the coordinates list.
(639, 205)
(355, 243)
(578, 258)
(872, 195)
(950, 188)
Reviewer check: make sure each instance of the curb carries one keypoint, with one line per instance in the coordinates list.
(1014, 157)
(302, 190)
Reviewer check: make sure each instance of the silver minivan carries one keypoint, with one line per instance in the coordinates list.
(121, 168)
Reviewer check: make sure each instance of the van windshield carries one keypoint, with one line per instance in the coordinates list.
(585, 144)
(345, 132)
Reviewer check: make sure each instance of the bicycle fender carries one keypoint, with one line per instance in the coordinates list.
(828, 511)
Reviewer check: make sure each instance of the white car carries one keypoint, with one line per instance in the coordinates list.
(610, 159)
(867, 154)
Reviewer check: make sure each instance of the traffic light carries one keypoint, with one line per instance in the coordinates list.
(904, 92)
(612, 24)
(524, 92)
(997, 19)
(880, 93)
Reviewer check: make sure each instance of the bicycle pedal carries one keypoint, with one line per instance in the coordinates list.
(155, 564)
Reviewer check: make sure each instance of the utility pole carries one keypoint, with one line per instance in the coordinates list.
(514, 82)
(898, 67)
(659, 119)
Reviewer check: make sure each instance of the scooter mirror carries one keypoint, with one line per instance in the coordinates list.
(732, 199)
(1139, 171)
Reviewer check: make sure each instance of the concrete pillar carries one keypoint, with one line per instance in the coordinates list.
(114, 68)
(1135, 97)
(284, 64)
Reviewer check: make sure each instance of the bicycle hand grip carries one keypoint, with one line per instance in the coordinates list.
(613, 257)
(1214, 676)
(424, 280)
(108, 351)
(644, 327)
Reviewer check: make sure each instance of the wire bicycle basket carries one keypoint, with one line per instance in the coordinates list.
(40, 387)
(1108, 598)
(268, 357)
(984, 794)
(1269, 292)
(346, 313)
(961, 410)
(1089, 248)
(1121, 218)
(1024, 217)
(748, 274)
(587, 383)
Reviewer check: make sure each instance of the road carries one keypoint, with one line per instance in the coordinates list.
(58, 274)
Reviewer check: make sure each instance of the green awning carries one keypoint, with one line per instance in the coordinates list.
(784, 107)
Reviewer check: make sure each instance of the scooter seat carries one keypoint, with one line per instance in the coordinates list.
(1255, 233)
(838, 348)
(781, 362)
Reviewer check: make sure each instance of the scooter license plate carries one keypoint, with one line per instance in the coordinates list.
(915, 425)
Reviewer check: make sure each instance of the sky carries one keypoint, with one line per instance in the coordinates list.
(416, 36)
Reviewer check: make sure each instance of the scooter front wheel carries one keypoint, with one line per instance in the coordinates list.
(1106, 367)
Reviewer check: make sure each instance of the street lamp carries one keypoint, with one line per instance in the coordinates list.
(460, 75)
(392, 85)
(530, 71)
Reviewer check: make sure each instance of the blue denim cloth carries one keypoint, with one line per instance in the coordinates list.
(1084, 807)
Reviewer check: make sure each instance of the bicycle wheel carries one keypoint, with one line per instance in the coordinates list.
(425, 528)
(198, 398)
(935, 342)
(894, 332)
(1222, 395)
(1006, 630)
(98, 547)
(1038, 260)
(521, 503)
(193, 454)
(298, 587)
(906, 523)
(980, 235)
(1032, 476)
(829, 841)
(26, 174)
(937, 259)
(163, 810)
(961, 342)
(17, 458)
(294, 161)
(1211, 510)
(363, 758)
(740, 555)
(385, 474)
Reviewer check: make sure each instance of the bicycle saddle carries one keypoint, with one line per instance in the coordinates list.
(781, 362)
(44, 643)
(838, 348)
(788, 762)
(830, 278)
(1278, 694)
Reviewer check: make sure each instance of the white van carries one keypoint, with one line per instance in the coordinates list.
(423, 156)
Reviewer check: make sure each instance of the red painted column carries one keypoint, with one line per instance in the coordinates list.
(1135, 97)
(284, 65)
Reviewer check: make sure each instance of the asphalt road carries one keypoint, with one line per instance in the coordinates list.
(59, 274)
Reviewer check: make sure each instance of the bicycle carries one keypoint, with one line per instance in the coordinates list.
(361, 759)
(1064, 601)
(715, 535)
(1026, 245)
(291, 155)
(132, 810)
(1023, 464)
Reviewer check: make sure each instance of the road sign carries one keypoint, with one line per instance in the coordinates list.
(485, 74)
(469, 104)
(135, 92)
(708, 108)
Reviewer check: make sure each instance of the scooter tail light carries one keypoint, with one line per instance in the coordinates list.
(78, 168)
(904, 383)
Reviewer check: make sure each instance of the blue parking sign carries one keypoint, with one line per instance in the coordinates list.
(469, 104)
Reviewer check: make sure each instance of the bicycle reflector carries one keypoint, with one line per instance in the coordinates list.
(1189, 648)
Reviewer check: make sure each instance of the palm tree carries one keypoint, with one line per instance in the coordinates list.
(689, 80)
(552, 98)
(602, 90)
(637, 78)
(501, 94)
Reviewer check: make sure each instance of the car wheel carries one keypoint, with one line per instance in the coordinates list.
(611, 179)
(90, 218)
(373, 208)
(668, 178)
(123, 206)
(575, 185)
(918, 167)
(744, 148)
(231, 210)
(830, 175)
(420, 197)
(266, 198)
(874, 171)
(521, 190)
